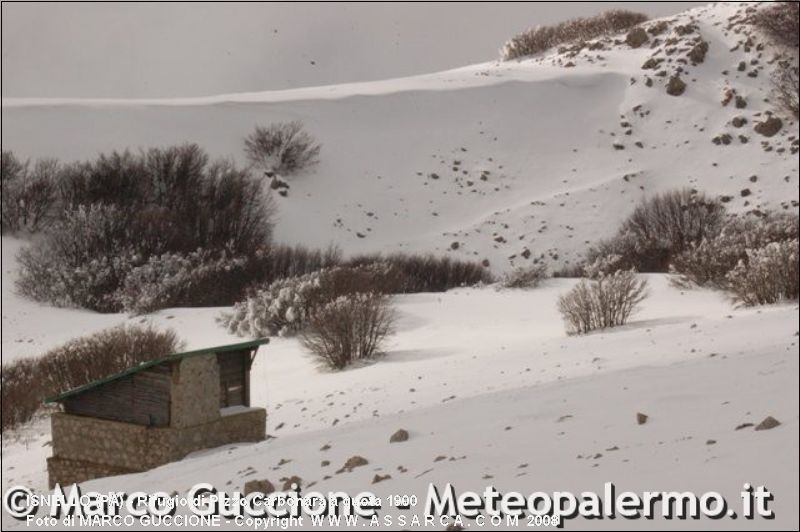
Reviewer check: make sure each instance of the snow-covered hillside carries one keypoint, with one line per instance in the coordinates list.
(544, 154)
(493, 392)
(514, 161)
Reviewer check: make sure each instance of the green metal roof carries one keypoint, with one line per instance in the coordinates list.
(155, 362)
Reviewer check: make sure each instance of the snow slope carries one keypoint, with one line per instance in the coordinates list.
(478, 155)
(487, 379)
(484, 378)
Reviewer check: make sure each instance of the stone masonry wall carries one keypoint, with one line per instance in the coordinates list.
(195, 391)
(86, 448)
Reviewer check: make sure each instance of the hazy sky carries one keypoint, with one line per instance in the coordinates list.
(183, 49)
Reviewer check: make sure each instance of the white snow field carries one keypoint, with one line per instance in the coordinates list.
(489, 386)
(500, 157)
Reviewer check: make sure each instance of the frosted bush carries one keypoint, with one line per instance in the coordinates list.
(277, 310)
(283, 307)
(81, 261)
(607, 301)
(768, 275)
(660, 228)
(196, 279)
(707, 263)
(528, 277)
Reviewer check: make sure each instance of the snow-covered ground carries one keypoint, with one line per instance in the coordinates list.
(499, 157)
(485, 380)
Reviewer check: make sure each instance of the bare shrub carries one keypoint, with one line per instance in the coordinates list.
(786, 86)
(570, 271)
(708, 262)
(349, 328)
(283, 261)
(21, 391)
(177, 199)
(283, 148)
(607, 301)
(541, 38)
(427, 272)
(661, 228)
(768, 275)
(529, 277)
(28, 382)
(29, 195)
(779, 20)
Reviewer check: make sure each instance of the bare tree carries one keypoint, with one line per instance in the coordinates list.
(29, 194)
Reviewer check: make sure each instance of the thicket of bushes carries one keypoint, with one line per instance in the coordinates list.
(781, 22)
(152, 213)
(541, 38)
(283, 307)
(168, 227)
(342, 313)
(659, 229)
(693, 237)
(427, 272)
(27, 382)
(752, 256)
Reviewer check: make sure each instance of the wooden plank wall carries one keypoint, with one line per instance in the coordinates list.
(142, 398)
(233, 370)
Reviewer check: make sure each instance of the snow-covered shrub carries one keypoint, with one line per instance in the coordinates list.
(541, 38)
(768, 275)
(349, 328)
(29, 195)
(197, 279)
(81, 261)
(283, 148)
(603, 265)
(708, 262)
(527, 277)
(661, 228)
(28, 382)
(283, 307)
(607, 301)
(277, 310)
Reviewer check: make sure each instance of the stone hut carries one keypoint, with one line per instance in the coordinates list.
(154, 413)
